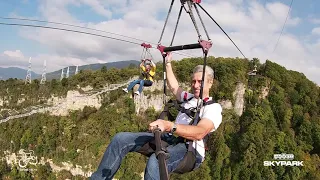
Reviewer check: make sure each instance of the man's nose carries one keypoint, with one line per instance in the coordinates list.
(197, 84)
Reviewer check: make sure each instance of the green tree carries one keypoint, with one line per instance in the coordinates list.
(104, 69)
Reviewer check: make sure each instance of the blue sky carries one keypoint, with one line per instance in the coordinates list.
(254, 25)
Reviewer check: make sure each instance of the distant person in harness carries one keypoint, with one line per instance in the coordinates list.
(148, 68)
(179, 135)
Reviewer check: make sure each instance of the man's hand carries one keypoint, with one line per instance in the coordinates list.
(169, 57)
(163, 125)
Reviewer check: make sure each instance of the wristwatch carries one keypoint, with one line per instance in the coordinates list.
(174, 128)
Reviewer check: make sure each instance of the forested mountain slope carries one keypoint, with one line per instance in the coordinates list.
(281, 115)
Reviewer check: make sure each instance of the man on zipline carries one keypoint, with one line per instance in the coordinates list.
(180, 130)
(148, 68)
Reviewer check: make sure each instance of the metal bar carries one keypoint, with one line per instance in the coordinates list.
(182, 47)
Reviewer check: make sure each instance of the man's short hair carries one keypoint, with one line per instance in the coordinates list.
(209, 71)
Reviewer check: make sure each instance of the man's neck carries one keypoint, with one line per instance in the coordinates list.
(204, 96)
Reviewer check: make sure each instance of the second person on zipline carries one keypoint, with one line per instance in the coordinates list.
(148, 68)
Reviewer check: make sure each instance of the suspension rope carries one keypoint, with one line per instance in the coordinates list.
(203, 77)
(143, 53)
(205, 29)
(200, 100)
(165, 24)
(146, 55)
(148, 51)
(192, 18)
(284, 24)
(175, 29)
(221, 29)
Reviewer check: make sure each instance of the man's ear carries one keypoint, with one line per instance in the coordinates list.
(211, 81)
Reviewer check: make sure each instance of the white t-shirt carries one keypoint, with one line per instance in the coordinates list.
(211, 112)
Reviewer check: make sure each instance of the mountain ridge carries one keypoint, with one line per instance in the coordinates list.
(19, 73)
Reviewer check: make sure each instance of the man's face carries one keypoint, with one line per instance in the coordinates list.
(196, 85)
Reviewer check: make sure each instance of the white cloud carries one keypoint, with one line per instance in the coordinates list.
(315, 20)
(98, 7)
(316, 31)
(254, 27)
(14, 54)
(13, 58)
(280, 11)
(57, 10)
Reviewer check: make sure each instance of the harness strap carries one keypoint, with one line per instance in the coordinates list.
(189, 160)
(196, 119)
(192, 111)
(185, 96)
(147, 74)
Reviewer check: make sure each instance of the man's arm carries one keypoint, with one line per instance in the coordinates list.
(191, 132)
(197, 132)
(171, 79)
(210, 121)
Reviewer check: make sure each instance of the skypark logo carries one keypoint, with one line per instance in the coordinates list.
(283, 163)
(285, 160)
(283, 156)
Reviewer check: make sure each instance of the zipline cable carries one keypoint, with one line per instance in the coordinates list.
(222, 30)
(283, 26)
(76, 31)
(82, 27)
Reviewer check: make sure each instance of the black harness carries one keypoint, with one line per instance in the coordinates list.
(146, 75)
(170, 111)
(191, 112)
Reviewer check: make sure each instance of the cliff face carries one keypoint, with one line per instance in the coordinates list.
(148, 98)
(238, 95)
(143, 101)
(73, 101)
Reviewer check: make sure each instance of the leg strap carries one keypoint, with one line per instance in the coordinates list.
(149, 148)
(187, 164)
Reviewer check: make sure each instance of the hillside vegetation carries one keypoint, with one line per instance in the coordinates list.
(287, 120)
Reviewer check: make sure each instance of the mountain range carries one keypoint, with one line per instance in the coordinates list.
(19, 73)
(14, 72)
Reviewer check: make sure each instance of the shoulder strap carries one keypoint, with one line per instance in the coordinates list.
(205, 102)
(147, 75)
(208, 102)
(150, 75)
(185, 97)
